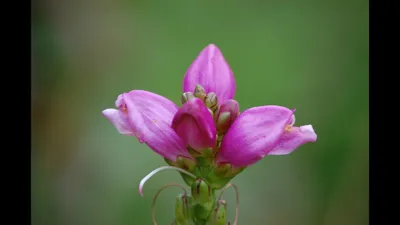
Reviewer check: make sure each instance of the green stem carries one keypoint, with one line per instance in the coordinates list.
(201, 222)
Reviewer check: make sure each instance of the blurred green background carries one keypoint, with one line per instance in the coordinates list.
(308, 55)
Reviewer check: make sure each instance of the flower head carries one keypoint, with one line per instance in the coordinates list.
(209, 123)
(164, 127)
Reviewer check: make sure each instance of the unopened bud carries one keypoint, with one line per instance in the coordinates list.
(222, 174)
(227, 170)
(226, 115)
(202, 212)
(219, 213)
(186, 163)
(187, 96)
(222, 169)
(211, 101)
(201, 192)
(182, 209)
(200, 92)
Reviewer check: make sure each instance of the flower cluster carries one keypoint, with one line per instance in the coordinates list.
(207, 138)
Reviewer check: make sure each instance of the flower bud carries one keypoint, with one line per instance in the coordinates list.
(182, 209)
(222, 174)
(201, 192)
(211, 101)
(219, 213)
(222, 169)
(200, 92)
(187, 96)
(186, 163)
(226, 115)
(202, 212)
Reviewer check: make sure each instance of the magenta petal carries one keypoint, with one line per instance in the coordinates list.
(254, 133)
(149, 117)
(120, 120)
(292, 139)
(195, 125)
(211, 71)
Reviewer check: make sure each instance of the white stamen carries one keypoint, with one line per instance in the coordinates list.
(293, 120)
(148, 176)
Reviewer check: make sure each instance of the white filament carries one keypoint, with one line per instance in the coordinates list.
(152, 173)
(293, 120)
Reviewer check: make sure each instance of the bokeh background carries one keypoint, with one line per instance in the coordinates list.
(308, 55)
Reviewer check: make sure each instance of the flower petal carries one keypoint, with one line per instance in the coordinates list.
(254, 133)
(149, 116)
(195, 125)
(120, 120)
(211, 71)
(293, 139)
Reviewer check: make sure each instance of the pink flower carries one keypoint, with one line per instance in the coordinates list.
(149, 116)
(209, 118)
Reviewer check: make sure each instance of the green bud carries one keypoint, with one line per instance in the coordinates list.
(200, 92)
(202, 212)
(211, 101)
(221, 175)
(218, 216)
(182, 209)
(202, 192)
(186, 163)
(222, 169)
(187, 96)
(220, 183)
